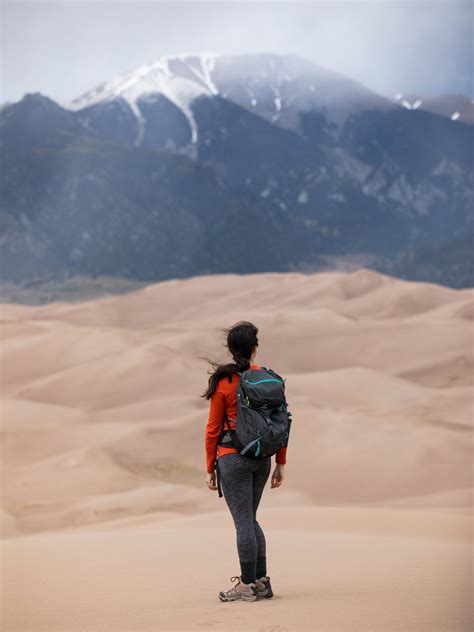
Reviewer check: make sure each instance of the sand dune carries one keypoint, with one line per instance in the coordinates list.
(107, 523)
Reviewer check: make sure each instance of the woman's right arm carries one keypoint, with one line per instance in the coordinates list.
(278, 475)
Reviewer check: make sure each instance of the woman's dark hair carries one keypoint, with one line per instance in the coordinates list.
(241, 338)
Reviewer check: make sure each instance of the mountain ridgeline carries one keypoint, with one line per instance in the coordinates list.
(212, 164)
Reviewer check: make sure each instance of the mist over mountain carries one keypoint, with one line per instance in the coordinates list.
(207, 164)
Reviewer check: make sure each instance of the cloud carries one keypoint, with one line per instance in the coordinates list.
(63, 49)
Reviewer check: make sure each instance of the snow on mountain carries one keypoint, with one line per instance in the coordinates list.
(180, 79)
(457, 107)
(281, 87)
(406, 103)
(275, 87)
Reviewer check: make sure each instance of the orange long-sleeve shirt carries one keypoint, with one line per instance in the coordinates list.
(224, 399)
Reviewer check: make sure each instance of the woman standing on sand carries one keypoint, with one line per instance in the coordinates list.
(242, 478)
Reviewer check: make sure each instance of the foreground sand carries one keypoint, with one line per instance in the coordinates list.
(396, 570)
(106, 521)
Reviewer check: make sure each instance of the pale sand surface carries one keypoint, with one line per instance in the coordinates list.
(107, 523)
(327, 576)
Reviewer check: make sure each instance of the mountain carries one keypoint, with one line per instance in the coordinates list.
(352, 152)
(36, 120)
(96, 207)
(450, 264)
(205, 164)
(457, 107)
(154, 101)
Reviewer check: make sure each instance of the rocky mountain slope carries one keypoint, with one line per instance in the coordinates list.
(204, 164)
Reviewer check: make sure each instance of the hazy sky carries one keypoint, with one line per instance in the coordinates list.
(62, 49)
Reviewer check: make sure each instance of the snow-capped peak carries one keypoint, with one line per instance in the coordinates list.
(179, 78)
(246, 80)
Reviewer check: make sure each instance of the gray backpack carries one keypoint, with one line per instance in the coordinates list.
(263, 420)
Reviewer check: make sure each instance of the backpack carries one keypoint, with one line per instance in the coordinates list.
(263, 420)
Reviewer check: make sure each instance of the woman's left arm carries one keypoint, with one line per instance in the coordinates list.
(214, 428)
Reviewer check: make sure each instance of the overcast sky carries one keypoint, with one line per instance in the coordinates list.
(62, 49)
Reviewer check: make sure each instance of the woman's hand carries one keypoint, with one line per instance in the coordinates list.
(278, 475)
(211, 480)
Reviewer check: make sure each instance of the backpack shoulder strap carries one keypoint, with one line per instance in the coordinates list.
(226, 422)
(229, 377)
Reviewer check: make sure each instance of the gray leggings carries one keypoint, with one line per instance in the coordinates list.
(243, 480)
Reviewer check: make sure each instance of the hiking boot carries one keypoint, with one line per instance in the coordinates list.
(264, 588)
(246, 592)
